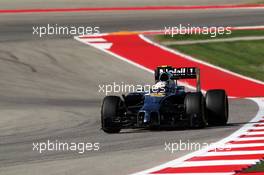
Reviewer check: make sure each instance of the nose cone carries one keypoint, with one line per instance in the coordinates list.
(148, 118)
(144, 117)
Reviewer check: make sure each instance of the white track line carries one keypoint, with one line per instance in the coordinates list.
(248, 27)
(93, 39)
(227, 153)
(102, 45)
(249, 138)
(254, 133)
(217, 162)
(258, 127)
(242, 145)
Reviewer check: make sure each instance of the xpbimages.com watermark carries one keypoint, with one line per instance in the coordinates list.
(55, 29)
(124, 88)
(188, 29)
(174, 147)
(50, 146)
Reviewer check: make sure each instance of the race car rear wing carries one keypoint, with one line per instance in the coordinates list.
(180, 73)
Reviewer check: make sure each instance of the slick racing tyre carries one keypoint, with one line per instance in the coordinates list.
(217, 107)
(195, 109)
(110, 114)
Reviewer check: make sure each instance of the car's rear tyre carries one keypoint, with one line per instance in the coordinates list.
(195, 109)
(110, 114)
(217, 107)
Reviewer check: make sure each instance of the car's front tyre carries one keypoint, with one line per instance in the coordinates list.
(110, 114)
(195, 109)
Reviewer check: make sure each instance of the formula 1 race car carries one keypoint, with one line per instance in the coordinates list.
(167, 105)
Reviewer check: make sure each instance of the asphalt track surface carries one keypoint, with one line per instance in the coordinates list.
(49, 90)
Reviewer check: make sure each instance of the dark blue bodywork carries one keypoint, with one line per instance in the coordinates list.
(160, 107)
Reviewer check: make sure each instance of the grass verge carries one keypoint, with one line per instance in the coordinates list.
(259, 167)
(187, 37)
(243, 57)
(260, 2)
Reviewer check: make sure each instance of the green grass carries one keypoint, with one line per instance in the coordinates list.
(260, 2)
(237, 33)
(256, 168)
(243, 57)
(256, 2)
